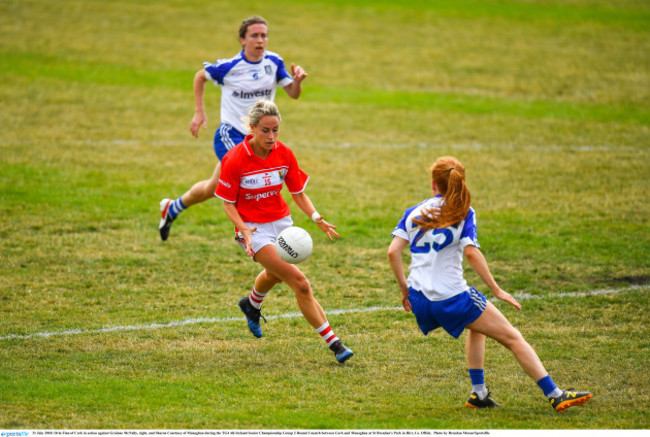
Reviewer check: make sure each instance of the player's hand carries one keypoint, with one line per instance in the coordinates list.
(198, 120)
(507, 297)
(298, 73)
(406, 303)
(328, 228)
(248, 240)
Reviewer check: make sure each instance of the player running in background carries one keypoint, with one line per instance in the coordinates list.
(438, 232)
(252, 74)
(250, 186)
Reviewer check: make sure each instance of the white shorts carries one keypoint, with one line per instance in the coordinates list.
(266, 233)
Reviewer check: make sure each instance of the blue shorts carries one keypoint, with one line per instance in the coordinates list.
(452, 314)
(225, 138)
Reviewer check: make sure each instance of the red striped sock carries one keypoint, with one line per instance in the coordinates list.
(256, 298)
(326, 332)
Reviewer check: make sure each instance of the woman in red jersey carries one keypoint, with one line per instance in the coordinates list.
(251, 180)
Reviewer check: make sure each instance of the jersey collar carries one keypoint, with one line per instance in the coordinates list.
(249, 149)
(243, 56)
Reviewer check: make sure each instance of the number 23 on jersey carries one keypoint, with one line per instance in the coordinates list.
(436, 239)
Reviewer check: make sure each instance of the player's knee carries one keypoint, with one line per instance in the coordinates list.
(301, 286)
(513, 339)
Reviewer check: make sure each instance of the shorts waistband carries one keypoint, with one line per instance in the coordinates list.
(229, 126)
(413, 290)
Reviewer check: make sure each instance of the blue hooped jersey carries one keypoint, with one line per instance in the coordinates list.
(437, 254)
(243, 83)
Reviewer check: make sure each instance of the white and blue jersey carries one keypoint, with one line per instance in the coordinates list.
(436, 268)
(244, 82)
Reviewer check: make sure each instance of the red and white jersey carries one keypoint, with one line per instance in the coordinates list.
(255, 184)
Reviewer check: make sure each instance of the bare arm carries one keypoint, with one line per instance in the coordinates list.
(199, 119)
(304, 202)
(235, 218)
(294, 89)
(477, 261)
(395, 258)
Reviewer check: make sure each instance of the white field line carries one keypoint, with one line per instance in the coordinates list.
(293, 315)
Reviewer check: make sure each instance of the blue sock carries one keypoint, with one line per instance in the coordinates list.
(548, 387)
(176, 208)
(477, 376)
(478, 382)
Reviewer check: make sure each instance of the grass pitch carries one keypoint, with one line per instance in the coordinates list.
(546, 103)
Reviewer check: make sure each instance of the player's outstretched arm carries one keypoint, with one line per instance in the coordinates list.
(477, 261)
(199, 119)
(294, 89)
(395, 250)
(304, 203)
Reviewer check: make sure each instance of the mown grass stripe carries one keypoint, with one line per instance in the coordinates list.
(30, 65)
(195, 321)
(26, 65)
(629, 16)
(480, 105)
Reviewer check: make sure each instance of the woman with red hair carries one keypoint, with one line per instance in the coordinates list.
(438, 232)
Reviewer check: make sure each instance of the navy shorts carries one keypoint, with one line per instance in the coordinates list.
(452, 314)
(225, 138)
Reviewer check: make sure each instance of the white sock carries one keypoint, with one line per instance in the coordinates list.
(480, 390)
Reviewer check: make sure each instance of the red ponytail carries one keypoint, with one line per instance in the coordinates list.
(449, 176)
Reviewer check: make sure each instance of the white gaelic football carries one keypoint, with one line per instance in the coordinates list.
(294, 245)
